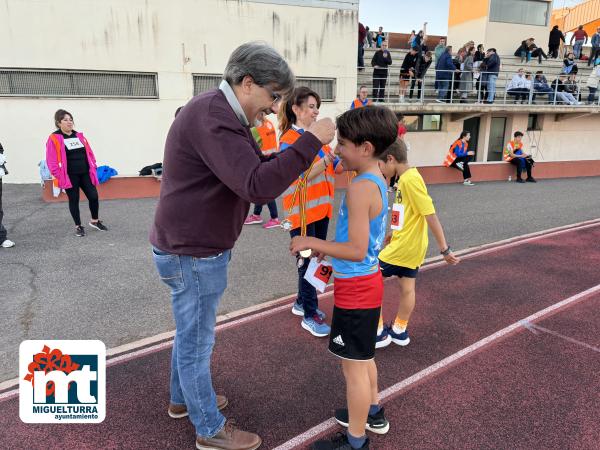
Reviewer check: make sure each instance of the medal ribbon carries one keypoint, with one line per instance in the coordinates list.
(300, 193)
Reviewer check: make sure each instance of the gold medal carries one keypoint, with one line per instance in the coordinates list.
(286, 225)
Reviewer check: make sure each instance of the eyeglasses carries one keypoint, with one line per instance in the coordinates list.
(274, 95)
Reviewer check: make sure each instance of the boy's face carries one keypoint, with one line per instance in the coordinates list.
(352, 155)
(388, 167)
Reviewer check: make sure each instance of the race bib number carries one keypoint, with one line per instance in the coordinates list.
(397, 221)
(73, 143)
(318, 274)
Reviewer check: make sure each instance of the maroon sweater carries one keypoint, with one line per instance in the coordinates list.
(212, 170)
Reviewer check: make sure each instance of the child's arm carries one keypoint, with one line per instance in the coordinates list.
(438, 234)
(358, 201)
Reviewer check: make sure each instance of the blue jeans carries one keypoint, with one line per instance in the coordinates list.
(443, 86)
(577, 49)
(307, 294)
(491, 86)
(197, 285)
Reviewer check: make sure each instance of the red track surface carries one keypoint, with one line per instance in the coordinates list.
(525, 390)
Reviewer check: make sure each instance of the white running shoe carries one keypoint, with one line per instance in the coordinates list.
(8, 244)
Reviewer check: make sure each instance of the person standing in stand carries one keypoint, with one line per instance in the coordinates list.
(71, 161)
(266, 138)
(380, 62)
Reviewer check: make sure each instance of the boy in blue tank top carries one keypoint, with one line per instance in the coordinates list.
(363, 134)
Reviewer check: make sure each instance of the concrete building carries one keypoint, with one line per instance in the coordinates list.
(502, 24)
(123, 67)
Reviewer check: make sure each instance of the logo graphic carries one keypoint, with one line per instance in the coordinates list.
(62, 381)
(338, 340)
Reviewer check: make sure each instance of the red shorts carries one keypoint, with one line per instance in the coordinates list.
(364, 292)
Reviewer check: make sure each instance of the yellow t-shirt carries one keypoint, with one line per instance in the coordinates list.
(408, 246)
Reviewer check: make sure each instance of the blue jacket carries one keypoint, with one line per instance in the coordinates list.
(493, 64)
(596, 40)
(444, 67)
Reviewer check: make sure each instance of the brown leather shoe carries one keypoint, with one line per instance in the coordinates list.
(229, 438)
(179, 411)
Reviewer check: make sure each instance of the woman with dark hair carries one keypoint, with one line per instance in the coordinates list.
(458, 156)
(308, 202)
(73, 165)
(554, 41)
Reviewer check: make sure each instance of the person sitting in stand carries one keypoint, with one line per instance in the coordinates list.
(569, 65)
(518, 87)
(459, 156)
(541, 87)
(513, 153)
(558, 86)
(362, 99)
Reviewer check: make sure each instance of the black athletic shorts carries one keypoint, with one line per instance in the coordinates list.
(389, 270)
(354, 332)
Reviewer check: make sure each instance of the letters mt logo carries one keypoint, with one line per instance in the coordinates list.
(62, 381)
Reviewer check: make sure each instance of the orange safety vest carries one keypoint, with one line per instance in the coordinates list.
(512, 145)
(451, 156)
(358, 104)
(319, 193)
(268, 137)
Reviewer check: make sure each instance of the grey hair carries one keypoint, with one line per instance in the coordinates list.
(262, 63)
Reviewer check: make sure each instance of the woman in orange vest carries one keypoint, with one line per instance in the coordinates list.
(266, 138)
(300, 111)
(458, 156)
(73, 165)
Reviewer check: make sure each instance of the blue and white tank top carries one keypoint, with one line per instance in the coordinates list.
(347, 269)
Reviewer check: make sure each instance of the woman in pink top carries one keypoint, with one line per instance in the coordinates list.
(72, 163)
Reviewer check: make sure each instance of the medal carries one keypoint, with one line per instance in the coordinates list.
(286, 225)
(303, 255)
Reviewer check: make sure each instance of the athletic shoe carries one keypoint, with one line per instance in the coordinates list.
(298, 310)
(383, 339)
(272, 223)
(531, 180)
(460, 165)
(229, 438)
(468, 183)
(180, 411)
(315, 326)
(98, 226)
(338, 442)
(376, 423)
(79, 231)
(8, 243)
(439, 101)
(401, 339)
(252, 219)
(520, 180)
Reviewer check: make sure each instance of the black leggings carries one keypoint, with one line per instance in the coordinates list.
(84, 182)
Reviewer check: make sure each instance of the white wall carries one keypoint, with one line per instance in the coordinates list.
(153, 36)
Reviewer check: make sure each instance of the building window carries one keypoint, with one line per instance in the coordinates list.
(325, 87)
(204, 82)
(534, 122)
(526, 12)
(77, 83)
(423, 122)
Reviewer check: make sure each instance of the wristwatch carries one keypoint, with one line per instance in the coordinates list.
(446, 252)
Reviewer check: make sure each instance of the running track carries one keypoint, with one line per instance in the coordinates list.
(476, 375)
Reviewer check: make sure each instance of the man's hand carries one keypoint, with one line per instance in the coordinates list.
(451, 259)
(323, 129)
(471, 153)
(300, 243)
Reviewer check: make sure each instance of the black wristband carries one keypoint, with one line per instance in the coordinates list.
(446, 252)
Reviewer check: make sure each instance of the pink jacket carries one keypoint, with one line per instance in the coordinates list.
(56, 159)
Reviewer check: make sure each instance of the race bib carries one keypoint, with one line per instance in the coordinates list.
(73, 143)
(318, 274)
(397, 221)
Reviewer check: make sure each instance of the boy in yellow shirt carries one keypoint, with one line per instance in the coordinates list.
(406, 245)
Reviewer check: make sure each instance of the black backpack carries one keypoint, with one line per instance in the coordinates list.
(154, 169)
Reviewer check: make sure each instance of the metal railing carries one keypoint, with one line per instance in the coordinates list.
(466, 87)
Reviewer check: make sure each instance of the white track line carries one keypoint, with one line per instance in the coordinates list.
(430, 263)
(435, 368)
(536, 329)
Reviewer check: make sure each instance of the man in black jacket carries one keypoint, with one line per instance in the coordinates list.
(407, 71)
(380, 62)
(554, 41)
(423, 64)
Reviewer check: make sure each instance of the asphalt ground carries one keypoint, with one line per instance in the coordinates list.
(104, 286)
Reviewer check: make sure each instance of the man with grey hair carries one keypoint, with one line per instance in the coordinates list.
(212, 170)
